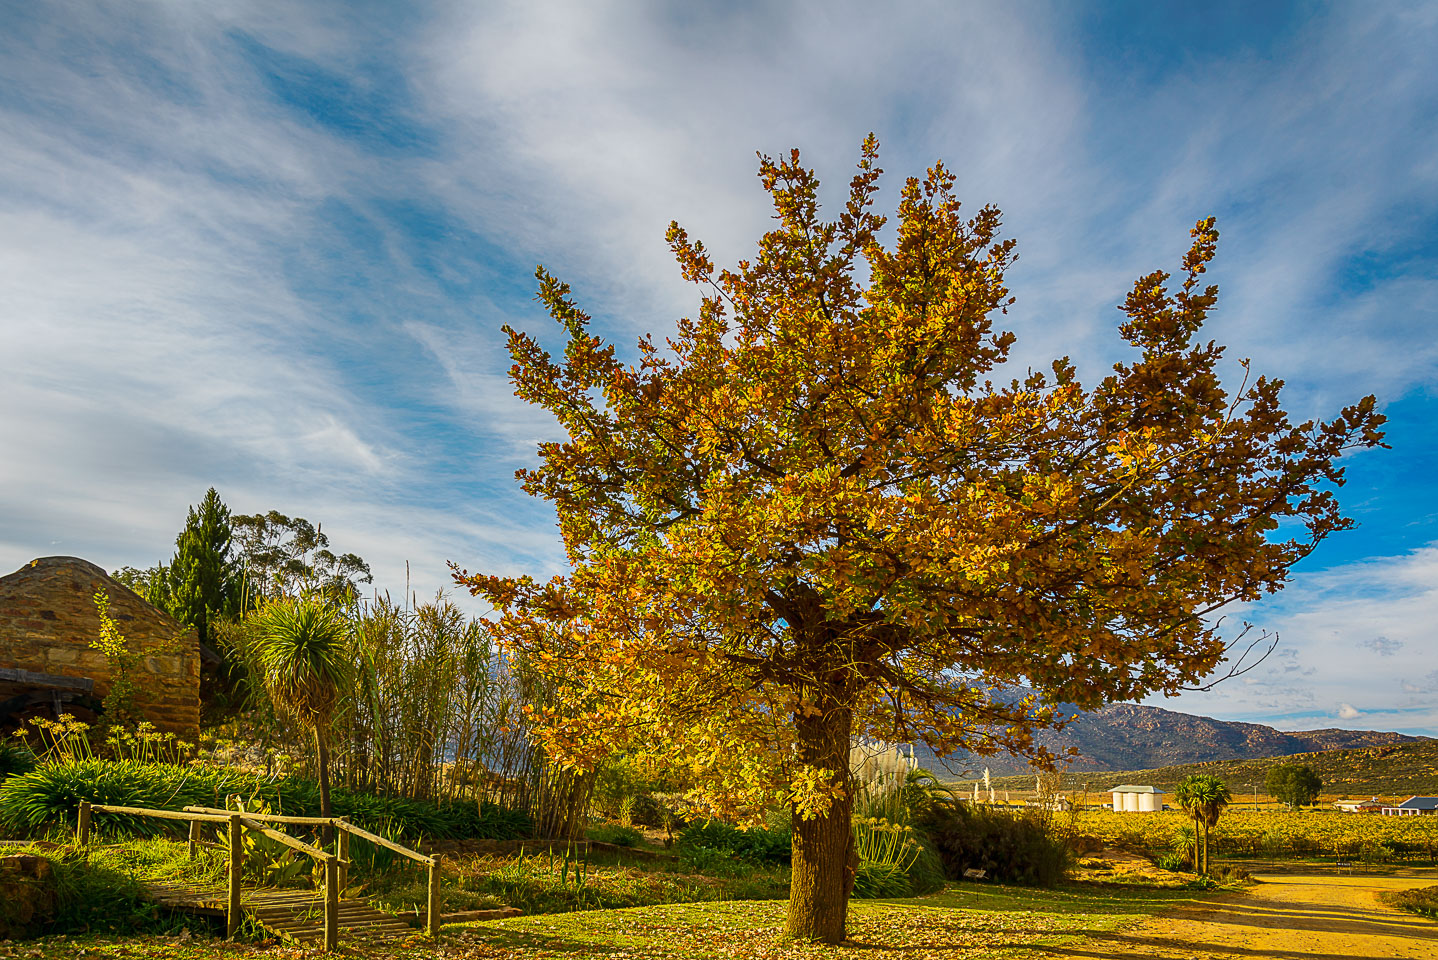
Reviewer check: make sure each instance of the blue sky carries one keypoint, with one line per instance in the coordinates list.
(268, 246)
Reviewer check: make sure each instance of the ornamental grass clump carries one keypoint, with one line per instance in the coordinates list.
(51, 794)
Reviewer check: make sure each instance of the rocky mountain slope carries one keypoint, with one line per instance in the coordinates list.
(1126, 736)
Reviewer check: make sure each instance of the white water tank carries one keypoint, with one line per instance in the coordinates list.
(1130, 798)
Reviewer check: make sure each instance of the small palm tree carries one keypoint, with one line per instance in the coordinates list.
(303, 651)
(1205, 797)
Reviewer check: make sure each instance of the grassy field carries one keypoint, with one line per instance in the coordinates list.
(967, 921)
(1397, 771)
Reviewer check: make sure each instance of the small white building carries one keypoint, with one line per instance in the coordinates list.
(1372, 805)
(1131, 798)
(1413, 807)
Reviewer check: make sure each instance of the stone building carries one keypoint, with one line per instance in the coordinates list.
(47, 622)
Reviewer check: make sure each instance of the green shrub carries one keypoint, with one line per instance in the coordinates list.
(1018, 848)
(52, 792)
(758, 845)
(715, 861)
(15, 758)
(926, 872)
(881, 880)
(1422, 901)
(1232, 873)
(615, 833)
(105, 893)
(410, 820)
(644, 810)
(542, 884)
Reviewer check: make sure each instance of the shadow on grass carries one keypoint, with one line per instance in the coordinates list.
(1120, 947)
(1121, 899)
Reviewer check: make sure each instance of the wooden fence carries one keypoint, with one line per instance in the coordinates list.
(336, 865)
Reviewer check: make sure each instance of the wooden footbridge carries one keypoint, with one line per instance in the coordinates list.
(303, 915)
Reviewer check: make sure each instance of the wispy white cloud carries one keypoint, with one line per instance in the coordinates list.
(1356, 643)
(600, 123)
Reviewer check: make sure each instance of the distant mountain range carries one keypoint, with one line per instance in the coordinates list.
(1126, 736)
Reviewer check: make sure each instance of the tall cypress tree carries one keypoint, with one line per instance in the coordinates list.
(157, 590)
(202, 576)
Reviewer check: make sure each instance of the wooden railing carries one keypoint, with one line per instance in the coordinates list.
(336, 865)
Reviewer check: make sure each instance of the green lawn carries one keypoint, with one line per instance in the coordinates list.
(967, 921)
(964, 921)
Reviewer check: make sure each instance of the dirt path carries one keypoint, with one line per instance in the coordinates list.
(1284, 917)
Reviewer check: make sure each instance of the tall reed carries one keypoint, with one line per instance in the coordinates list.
(437, 712)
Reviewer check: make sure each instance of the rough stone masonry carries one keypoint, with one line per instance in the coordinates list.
(48, 620)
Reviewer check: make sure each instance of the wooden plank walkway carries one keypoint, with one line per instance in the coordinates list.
(294, 914)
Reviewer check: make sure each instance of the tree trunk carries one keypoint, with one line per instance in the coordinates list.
(322, 757)
(825, 861)
(1205, 848)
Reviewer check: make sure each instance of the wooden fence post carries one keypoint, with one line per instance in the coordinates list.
(432, 921)
(232, 912)
(332, 903)
(194, 838)
(84, 826)
(343, 849)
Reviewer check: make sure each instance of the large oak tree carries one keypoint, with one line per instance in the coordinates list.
(812, 516)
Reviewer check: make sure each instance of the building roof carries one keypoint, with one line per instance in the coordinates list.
(1419, 803)
(1132, 788)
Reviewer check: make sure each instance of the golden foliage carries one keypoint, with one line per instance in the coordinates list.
(813, 514)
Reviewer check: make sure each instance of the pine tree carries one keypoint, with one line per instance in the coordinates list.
(201, 575)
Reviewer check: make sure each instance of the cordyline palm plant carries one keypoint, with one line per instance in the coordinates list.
(1205, 797)
(303, 650)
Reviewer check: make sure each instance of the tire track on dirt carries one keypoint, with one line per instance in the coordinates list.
(1283, 917)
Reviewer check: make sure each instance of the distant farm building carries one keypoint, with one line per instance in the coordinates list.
(48, 620)
(1130, 798)
(1371, 805)
(1413, 807)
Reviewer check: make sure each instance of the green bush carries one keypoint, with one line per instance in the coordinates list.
(758, 845)
(876, 880)
(105, 892)
(1014, 848)
(1422, 901)
(542, 884)
(410, 820)
(644, 810)
(615, 833)
(926, 872)
(715, 861)
(51, 794)
(15, 758)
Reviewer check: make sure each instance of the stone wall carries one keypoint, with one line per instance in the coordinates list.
(48, 619)
(27, 895)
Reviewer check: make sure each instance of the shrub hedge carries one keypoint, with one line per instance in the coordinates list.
(51, 794)
(1017, 848)
(757, 845)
